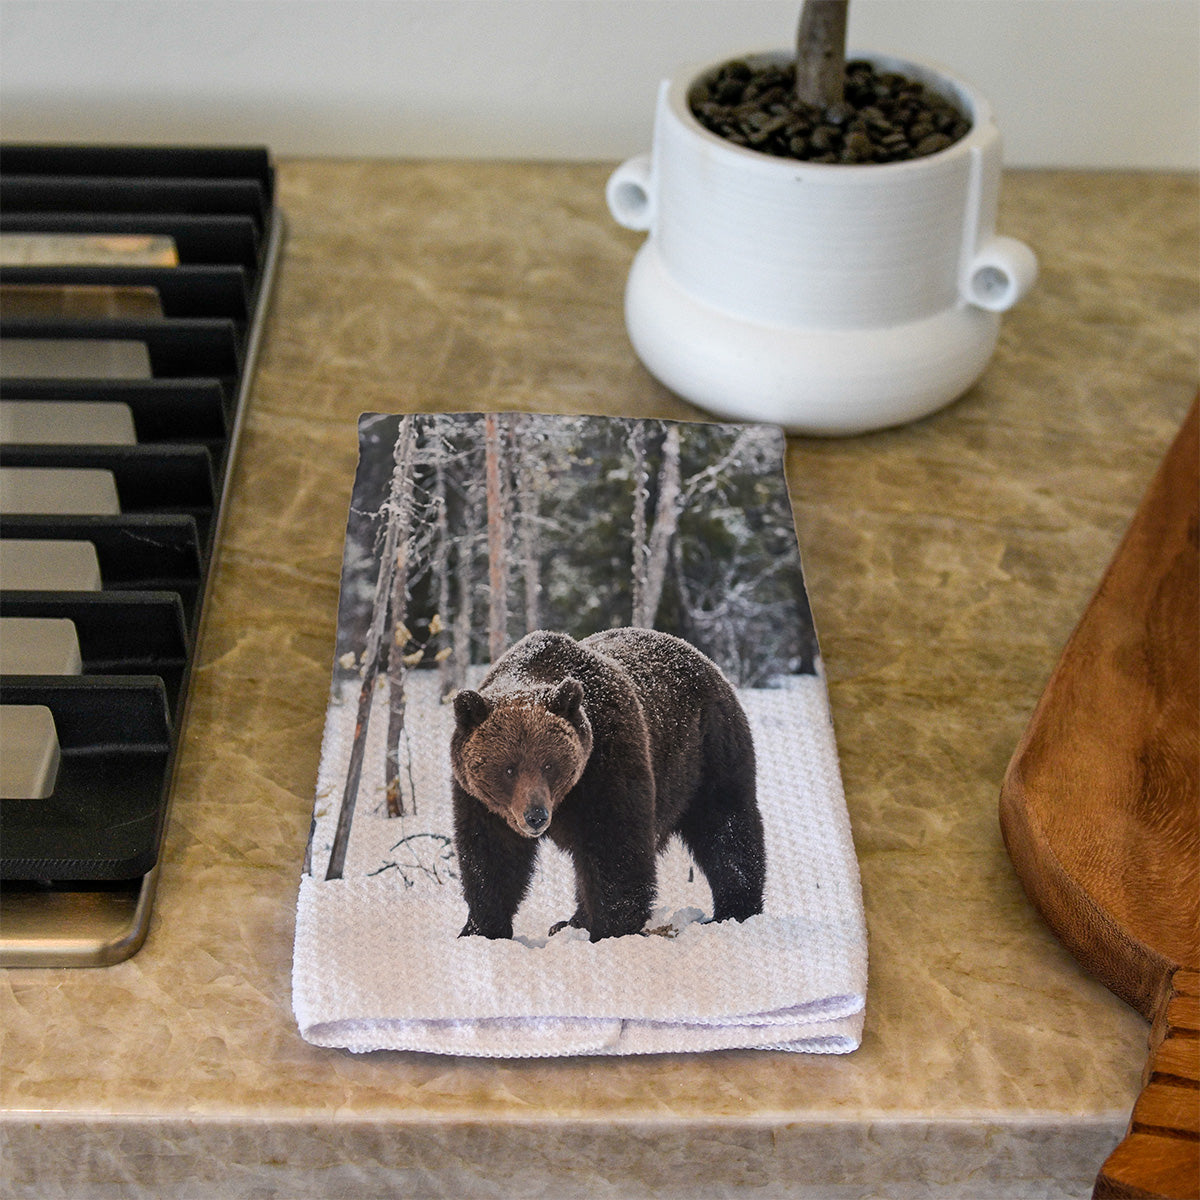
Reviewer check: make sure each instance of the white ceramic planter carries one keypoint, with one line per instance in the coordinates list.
(828, 299)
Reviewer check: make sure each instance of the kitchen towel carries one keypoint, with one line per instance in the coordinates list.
(465, 533)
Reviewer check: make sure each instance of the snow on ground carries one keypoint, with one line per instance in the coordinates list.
(412, 856)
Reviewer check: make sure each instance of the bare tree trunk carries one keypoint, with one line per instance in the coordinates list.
(397, 669)
(497, 527)
(401, 455)
(637, 443)
(687, 603)
(527, 509)
(460, 660)
(464, 579)
(666, 519)
(441, 569)
(821, 53)
(312, 833)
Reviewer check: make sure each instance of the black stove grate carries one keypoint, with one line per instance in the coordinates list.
(78, 867)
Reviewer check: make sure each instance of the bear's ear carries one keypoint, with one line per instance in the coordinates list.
(470, 709)
(566, 700)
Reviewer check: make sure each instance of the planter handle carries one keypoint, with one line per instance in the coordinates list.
(1001, 271)
(630, 193)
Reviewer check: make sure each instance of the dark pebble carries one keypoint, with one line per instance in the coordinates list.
(730, 92)
(933, 143)
(859, 145)
(825, 137)
(885, 117)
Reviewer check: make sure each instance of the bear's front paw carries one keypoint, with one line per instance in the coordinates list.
(495, 932)
(573, 922)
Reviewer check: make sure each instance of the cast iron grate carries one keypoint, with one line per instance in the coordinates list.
(78, 867)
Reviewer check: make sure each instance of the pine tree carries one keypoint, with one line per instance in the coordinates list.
(398, 531)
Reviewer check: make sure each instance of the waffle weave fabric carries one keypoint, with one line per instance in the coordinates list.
(378, 964)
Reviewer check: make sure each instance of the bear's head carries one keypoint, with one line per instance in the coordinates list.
(519, 753)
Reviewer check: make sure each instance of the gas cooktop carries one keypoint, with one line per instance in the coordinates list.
(133, 287)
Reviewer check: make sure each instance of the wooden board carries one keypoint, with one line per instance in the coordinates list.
(1100, 811)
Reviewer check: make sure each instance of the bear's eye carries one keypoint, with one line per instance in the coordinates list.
(510, 770)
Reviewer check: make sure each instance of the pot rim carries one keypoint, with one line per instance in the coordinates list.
(932, 75)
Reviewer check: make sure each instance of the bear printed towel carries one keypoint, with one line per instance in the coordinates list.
(579, 790)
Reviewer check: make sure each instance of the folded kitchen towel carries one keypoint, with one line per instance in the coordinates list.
(466, 533)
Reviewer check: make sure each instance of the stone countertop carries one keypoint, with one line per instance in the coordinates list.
(947, 563)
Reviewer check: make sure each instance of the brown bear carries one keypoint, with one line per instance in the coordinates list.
(607, 746)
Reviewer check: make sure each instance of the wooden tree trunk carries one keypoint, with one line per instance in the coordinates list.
(401, 455)
(441, 571)
(497, 531)
(821, 53)
(637, 444)
(687, 602)
(397, 669)
(460, 660)
(527, 509)
(666, 520)
(464, 569)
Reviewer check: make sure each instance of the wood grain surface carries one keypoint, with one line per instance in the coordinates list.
(1100, 811)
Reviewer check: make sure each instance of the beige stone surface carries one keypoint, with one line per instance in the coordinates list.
(947, 563)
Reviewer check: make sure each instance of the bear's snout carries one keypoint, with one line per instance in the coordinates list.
(537, 817)
(531, 807)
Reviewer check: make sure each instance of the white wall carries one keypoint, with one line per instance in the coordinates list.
(1081, 83)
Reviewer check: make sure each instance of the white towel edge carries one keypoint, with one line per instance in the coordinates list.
(567, 1037)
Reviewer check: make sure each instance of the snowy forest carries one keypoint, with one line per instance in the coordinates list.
(504, 523)
(468, 531)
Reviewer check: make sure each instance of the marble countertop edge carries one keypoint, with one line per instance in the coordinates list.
(1116, 1119)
